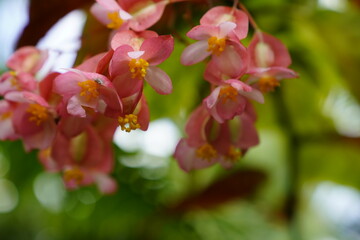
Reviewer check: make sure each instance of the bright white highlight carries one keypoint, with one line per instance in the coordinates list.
(335, 5)
(49, 190)
(344, 111)
(9, 196)
(63, 40)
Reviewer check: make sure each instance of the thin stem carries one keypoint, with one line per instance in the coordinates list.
(251, 20)
(292, 188)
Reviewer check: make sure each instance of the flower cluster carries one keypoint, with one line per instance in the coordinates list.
(222, 128)
(71, 117)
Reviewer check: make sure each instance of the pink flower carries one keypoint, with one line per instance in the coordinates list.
(27, 59)
(130, 66)
(84, 159)
(228, 55)
(13, 81)
(230, 99)
(210, 142)
(268, 62)
(24, 64)
(220, 14)
(33, 119)
(109, 13)
(7, 131)
(82, 91)
(137, 15)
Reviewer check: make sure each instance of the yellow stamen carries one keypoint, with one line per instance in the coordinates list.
(129, 122)
(268, 84)
(216, 45)
(38, 113)
(228, 93)
(138, 68)
(206, 152)
(73, 174)
(5, 115)
(13, 80)
(233, 154)
(89, 90)
(116, 21)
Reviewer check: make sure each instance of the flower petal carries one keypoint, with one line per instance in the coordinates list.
(195, 53)
(157, 49)
(158, 80)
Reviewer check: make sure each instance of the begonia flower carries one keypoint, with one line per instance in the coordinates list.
(7, 131)
(230, 99)
(210, 142)
(84, 159)
(82, 91)
(220, 14)
(137, 15)
(27, 59)
(269, 60)
(129, 66)
(33, 119)
(228, 55)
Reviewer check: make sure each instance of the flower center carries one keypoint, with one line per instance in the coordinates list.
(89, 90)
(268, 84)
(5, 115)
(233, 154)
(228, 93)
(216, 45)
(73, 174)
(129, 122)
(38, 113)
(138, 68)
(206, 152)
(13, 79)
(115, 19)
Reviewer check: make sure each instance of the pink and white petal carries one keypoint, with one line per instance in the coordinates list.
(187, 159)
(143, 114)
(71, 126)
(66, 84)
(42, 139)
(110, 5)
(232, 61)
(157, 49)
(195, 53)
(229, 109)
(106, 184)
(246, 90)
(247, 134)
(195, 126)
(126, 86)
(46, 85)
(91, 64)
(202, 32)
(7, 131)
(158, 80)
(212, 99)
(225, 28)
(123, 38)
(74, 107)
(120, 61)
(146, 16)
(268, 49)
(213, 75)
(27, 59)
(100, 13)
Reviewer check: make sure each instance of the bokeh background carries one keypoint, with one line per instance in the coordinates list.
(301, 182)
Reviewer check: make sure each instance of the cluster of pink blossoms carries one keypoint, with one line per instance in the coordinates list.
(71, 117)
(222, 128)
